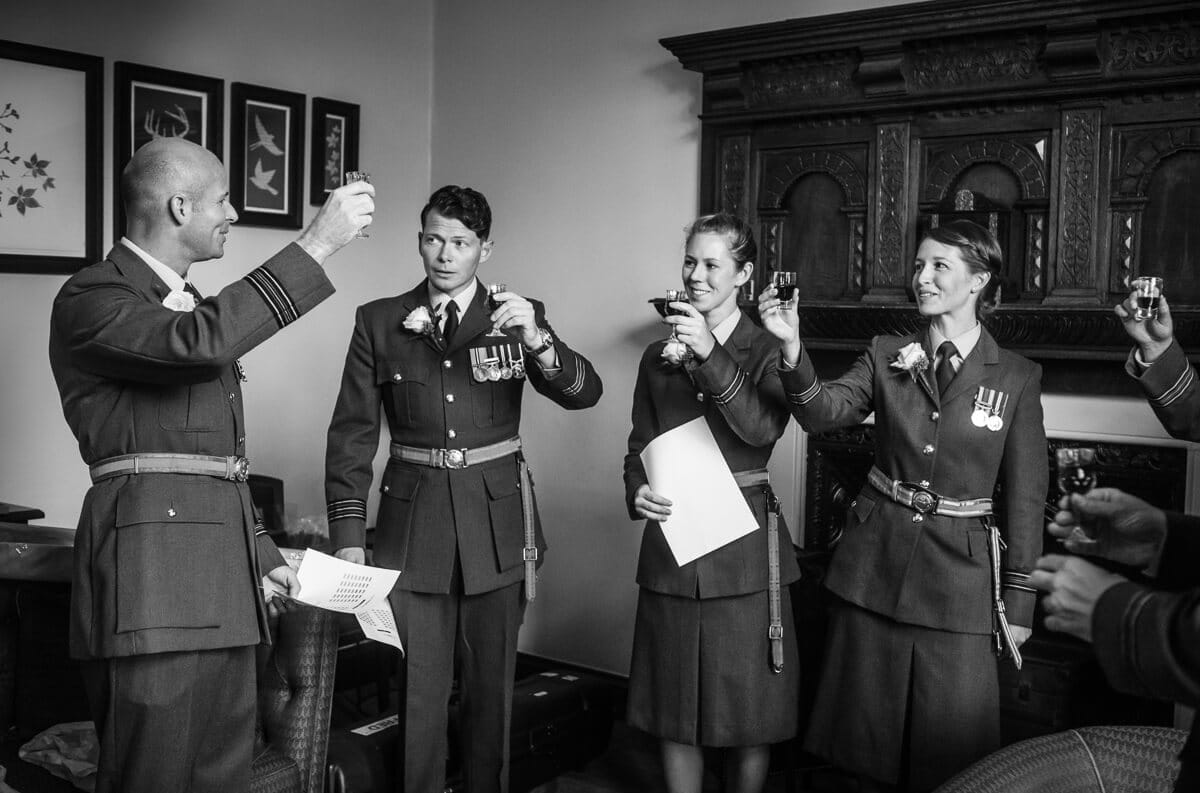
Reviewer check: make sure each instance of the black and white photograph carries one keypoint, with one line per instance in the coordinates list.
(688, 396)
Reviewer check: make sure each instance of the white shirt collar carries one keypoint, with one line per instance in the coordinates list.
(438, 299)
(964, 342)
(172, 279)
(724, 330)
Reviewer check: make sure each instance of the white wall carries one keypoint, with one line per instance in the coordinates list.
(377, 55)
(582, 131)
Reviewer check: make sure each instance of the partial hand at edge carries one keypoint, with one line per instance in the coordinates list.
(651, 505)
(346, 211)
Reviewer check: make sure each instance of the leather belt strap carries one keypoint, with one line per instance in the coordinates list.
(235, 469)
(1000, 627)
(924, 501)
(455, 458)
(760, 477)
(525, 482)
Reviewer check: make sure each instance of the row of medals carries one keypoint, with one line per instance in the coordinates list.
(989, 409)
(501, 362)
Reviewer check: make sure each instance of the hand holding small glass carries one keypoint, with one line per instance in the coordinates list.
(358, 176)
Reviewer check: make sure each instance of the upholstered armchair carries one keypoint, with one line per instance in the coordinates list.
(295, 694)
(1084, 760)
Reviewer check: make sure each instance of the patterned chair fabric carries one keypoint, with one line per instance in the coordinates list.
(295, 694)
(1085, 760)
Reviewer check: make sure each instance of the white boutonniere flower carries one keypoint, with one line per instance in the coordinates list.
(674, 352)
(911, 358)
(419, 321)
(178, 300)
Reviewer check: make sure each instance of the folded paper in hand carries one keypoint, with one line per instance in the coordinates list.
(331, 583)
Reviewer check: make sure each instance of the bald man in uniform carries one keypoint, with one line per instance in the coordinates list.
(166, 602)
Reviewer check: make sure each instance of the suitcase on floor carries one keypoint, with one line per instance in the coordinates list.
(560, 720)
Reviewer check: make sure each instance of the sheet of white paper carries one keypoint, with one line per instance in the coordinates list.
(708, 510)
(331, 583)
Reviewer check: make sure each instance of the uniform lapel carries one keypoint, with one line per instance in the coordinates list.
(416, 298)
(986, 353)
(923, 376)
(138, 272)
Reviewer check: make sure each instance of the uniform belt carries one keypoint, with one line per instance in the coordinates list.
(455, 458)
(235, 469)
(924, 501)
(759, 477)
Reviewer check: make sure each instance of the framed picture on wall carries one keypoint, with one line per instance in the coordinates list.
(265, 163)
(51, 160)
(153, 103)
(334, 139)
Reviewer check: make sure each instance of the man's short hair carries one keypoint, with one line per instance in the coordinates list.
(463, 204)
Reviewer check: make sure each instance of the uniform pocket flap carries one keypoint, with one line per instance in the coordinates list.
(501, 481)
(397, 371)
(861, 506)
(400, 483)
(170, 502)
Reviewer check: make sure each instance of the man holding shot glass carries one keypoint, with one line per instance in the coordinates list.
(447, 362)
(1158, 362)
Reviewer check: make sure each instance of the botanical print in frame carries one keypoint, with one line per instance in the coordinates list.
(50, 159)
(334, 146)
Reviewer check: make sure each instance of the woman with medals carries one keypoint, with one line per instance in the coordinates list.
(714, 656)
(931, 576)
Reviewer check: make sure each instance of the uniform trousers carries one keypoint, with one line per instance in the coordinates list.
(181, 721)
(477, 634)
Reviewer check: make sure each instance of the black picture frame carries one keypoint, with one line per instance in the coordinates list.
(51, 159)
(149, 102)
(333, 146)
(266, 155)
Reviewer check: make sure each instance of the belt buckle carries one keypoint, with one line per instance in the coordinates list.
(455, 458)
(924, 501)
(239, 471)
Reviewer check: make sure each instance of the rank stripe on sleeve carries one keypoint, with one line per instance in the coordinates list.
(274, 295)
(346, 508)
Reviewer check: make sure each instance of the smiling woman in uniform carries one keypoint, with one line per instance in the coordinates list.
(909, 693)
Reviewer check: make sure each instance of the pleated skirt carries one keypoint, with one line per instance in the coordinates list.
(701, 671)
(904, 704)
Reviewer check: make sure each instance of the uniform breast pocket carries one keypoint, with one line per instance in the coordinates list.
(172, 547)
(406, 383)
(496, 401)
(859, 510)
(192, 408)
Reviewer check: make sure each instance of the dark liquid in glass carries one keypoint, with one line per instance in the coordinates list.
(676, 312)
(785, 293)
(1146, 304)
(1076, 480)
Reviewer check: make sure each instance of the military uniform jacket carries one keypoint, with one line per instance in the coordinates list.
(935, 571)
(167, 562)
(1171, 388)
(431, 400)
(1148, 640)
(740, 396)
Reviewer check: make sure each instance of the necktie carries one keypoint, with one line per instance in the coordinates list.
(191, 290)
(451, 321)
(945, 369)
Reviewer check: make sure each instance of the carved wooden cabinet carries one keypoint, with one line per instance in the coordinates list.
(1071, 128)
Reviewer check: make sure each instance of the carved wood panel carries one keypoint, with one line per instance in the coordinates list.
(1081, 121)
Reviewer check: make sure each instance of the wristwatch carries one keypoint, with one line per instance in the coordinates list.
(545, 342)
